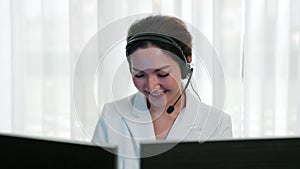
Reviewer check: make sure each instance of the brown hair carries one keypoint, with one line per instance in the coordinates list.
(167, 25)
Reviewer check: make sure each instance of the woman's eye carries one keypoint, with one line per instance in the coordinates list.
(139, 75)
(163, 75)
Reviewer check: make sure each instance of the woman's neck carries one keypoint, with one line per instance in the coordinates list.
(162, 121)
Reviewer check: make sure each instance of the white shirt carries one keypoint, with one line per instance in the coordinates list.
(127, 122)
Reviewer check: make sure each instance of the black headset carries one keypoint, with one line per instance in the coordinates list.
(169, 41)
(158, 37)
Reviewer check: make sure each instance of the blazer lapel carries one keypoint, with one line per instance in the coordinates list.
(186, 120)
(198, 122)
(138, 119)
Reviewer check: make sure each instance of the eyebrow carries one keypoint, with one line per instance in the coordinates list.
(156, 70)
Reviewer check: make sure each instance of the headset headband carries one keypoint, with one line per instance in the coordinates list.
(155, 37)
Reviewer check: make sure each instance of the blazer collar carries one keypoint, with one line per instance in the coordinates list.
(139, 121)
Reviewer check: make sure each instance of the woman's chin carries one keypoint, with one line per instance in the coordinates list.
(158, 102)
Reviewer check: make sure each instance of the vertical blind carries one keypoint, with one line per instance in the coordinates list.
(257, 42)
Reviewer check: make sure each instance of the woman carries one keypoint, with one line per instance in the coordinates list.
(159, 55)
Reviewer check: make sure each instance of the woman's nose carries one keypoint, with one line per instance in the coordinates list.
(152, 83)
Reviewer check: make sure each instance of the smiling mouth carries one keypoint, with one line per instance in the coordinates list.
(157, 93)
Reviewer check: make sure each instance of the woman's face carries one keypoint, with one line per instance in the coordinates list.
(156, 75)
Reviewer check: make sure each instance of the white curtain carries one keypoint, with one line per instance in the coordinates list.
(257, 42)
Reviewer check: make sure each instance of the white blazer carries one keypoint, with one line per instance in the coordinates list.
(127, 122)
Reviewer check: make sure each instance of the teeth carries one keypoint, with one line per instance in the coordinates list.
(156, 93)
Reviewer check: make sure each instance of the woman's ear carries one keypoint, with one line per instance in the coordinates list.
(189, 58)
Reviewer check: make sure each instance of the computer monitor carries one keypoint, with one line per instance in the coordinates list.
(279, 153)
(33, 153)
